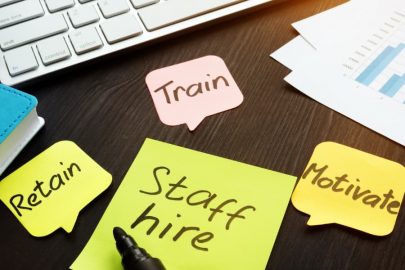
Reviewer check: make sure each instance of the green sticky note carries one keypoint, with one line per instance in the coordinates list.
(192, 211)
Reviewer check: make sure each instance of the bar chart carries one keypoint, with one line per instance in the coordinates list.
(394, 84)
(379, 63)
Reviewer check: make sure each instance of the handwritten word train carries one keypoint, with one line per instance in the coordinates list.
(191, 90)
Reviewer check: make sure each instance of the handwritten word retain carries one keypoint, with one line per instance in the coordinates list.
(55, 182)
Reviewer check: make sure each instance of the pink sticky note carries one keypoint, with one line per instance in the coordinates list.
(190, 91)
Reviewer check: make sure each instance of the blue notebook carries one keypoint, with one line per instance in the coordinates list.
(19, 122)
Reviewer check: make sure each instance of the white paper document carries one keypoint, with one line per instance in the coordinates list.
(358, 69)
(372, 109)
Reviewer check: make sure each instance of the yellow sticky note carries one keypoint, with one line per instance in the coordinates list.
(48, 192)
(349, 187)
(192, 211)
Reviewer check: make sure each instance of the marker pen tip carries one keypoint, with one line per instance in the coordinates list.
(119, 233)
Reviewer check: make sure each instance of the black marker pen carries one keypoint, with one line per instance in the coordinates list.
(134, 257)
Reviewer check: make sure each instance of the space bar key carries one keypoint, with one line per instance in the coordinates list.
(170, 12)
(30, 31)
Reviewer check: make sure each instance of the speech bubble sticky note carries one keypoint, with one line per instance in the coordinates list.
(190, 91)
(349, 187)
(48, 192)
(192, 211)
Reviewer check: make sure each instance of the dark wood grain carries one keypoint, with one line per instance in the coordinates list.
(106, 109)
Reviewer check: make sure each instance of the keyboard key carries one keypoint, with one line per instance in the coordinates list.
(56, 5)
(120, 28)
(53, 49)
(143, 3)
(111, 8)
(20, 12)
(83, 15)
(85, 40)
(20, 60)
(7, 2)
(173, 11)
(26, 32)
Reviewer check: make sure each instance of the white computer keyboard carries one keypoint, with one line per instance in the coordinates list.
(38, 37)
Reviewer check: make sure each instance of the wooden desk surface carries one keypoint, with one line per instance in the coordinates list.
(106, 109)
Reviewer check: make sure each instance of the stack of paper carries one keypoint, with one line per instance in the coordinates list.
(352, 59)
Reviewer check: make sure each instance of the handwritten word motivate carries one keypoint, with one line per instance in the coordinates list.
(192, 211)
(49, 191)
(352, 190)
(190, 91)
(350, 187)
